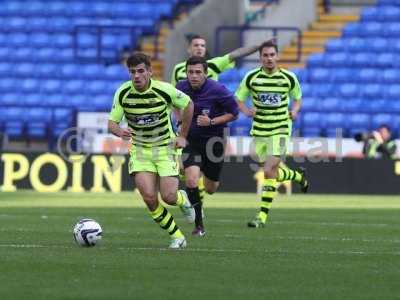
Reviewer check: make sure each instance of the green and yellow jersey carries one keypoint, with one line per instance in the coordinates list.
(148, 112)
(215, 67)
(270, 94)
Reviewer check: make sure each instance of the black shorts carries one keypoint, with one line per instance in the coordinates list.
(206, 154)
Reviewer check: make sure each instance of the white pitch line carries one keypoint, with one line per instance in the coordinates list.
(214, 250)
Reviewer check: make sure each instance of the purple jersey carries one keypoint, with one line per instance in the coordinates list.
(212, 99)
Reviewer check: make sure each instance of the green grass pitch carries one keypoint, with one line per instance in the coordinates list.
(314, 247)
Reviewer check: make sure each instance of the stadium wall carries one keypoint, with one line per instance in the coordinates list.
(289, 13)
(50, 172)
(203, 20)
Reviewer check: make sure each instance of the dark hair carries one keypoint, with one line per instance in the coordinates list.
(191, 37)
(268, 44)
(194, 60)
(137, 59)
(384, 126)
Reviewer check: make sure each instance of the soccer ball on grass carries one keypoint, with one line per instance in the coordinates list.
(87, 232)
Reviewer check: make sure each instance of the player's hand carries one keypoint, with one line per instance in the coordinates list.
(293, 114)
(180, 142)
(203, 120)
(125, 134)
(251, 112)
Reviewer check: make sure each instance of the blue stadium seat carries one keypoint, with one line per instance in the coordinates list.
(368, 75)
(348, 90)
(39, 115)
(374, 105)
(331, 104)
(36, 130)
(371, 91)
(11, 99)
(310, 104)
(393, 105)
(343, 75)
(336, 60)
(362, 60)
(51, 86)
(381, 119)
(370, 14)
(311, 131)
(316, 60)
(75, 86)
(353, 105)
(320, 75)
(357, 122)
(336, 45)
(118, 72)
(392, 92)
(333, 122)
(371, 29)
(14, 129)
(29, 85)
(313, 120)
(390, 13)
(356, 44)
(352, 29)
(385, 60)
(241, 127)
(391, 75)
(302, 75)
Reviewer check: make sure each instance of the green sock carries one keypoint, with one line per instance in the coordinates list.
(268, 194)
(166, 221)
(285, 173)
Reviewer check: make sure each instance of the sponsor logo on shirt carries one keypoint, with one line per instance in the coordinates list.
(270, 99)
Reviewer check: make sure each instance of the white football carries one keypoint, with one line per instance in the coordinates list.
(87, 232)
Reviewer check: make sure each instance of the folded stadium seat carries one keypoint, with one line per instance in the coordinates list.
(391, 75)
(371, 91)
(330, 104)
(316, 60)
(392, 31)
(54, 100)
(71, 71)
(11, 99)
(6, 69)
(46, 54)
(38, 24)
(380, 119)
(36, 130)
(318, 75)
(118, 71)
(377, 44)
(311, 131)
(40, 39)
(7, 85)
(60, 23)
(390, 13)
(334, 124)
(101, 102)
(75, 86)
(65, 55)
(35, 8)
(46, 70)
(392, 92)
(369, 14)
(393, 105)
(86, 39)
(34, 99)
(24, 70)
(62, 40)
(101, 9)
(63, 115)
(358, 122)
(39, 115)
(371, 29)
(336, 60)
(56, 8)
(5, 54)
(14, 129)
(353, 105)
(29, 85)
(374, 105)
(302, 75)
(89, 53)
(51, 86)
(13, 24)
(385, 60)
(92, 71)
(322, 90)
(12, 8)
(78, 101)
(310, 104)
(369, 75)
(94, 87)
(357, 44)
(313, 120)
(362, 60)
(347, 90)
(18, 39)
(4, 39)
(336, 45)
(343, 75)
(388, 2)
(14, 113)
(353, 29)
(21, 54)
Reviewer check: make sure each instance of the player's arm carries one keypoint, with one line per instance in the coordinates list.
(243, 51)
(116, 115)
(296, 95)
(241, 95)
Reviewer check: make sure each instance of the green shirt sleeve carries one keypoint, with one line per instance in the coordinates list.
(242, 93)
(295, 93)
(222, 63)
(117, 112)
(173, 79)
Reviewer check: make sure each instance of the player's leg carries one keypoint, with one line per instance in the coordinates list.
(268, 150)
(299, 176)
(172, 196)
(146, 183)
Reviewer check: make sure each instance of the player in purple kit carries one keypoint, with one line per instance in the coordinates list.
(214, 107)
